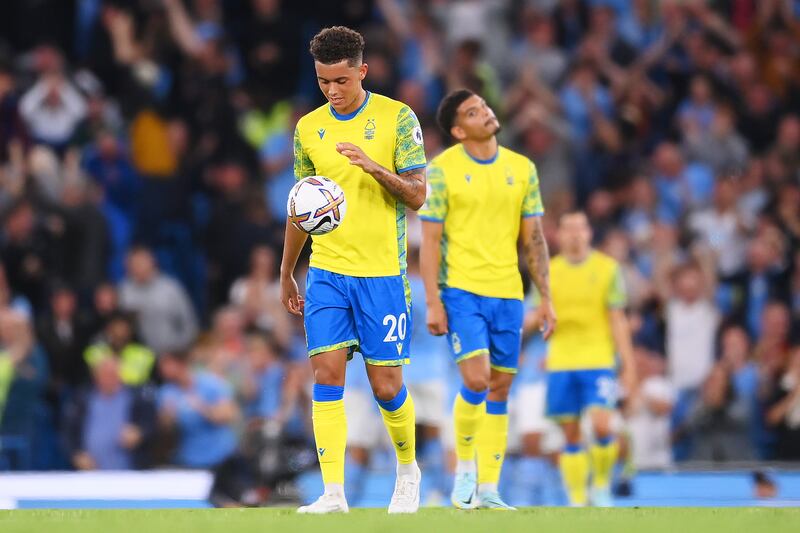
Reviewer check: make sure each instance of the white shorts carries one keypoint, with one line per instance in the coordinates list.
(365, 427)
(428, 402)
(527, 415)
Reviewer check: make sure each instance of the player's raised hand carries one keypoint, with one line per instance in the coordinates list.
(290, 296)
(357, 157)
(436, 318)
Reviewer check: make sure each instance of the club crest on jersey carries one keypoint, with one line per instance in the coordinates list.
(369, 129)
(509, 177)
(321, 132)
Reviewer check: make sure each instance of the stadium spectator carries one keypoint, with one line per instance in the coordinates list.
(262, 392)
(721, 228)
(23, 382)
(201, 408)
(63, 333)
(649, 413)
(117, 340)
(680, 185)
(53, 108)
(227, 347)
(763, 279)
(109, 425)
(24, 252)
(258, 296)
(784, 411)
(538, 49)
(691, 321)
(164, 314)
(721, 148)
(104, 305)
(727, 407)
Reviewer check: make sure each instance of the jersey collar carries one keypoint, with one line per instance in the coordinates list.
(482, 161)
(339, 116)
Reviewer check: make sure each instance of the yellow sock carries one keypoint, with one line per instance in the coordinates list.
(330, 431)
(468, 413)
(400, 421)
(492, 437)
(604, 457)
(574, 465)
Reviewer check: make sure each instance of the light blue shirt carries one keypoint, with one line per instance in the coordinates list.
(202, 444)
(105, 418)
(270, 390)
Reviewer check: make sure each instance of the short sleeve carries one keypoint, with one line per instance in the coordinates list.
(303, 166)
(435, 207)
(409, 149)
(532, 204)
(617, 295)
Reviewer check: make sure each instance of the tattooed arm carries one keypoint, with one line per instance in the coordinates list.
(537, 258)
(408, 187)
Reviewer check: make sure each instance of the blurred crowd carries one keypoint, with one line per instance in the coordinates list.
(145, 159)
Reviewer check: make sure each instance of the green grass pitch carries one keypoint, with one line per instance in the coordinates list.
(534, 520)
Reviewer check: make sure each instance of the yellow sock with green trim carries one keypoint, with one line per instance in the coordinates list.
(492, 439)
(574, 465)
(604, 455)
(400, 421)
(468, 414)
(330, 431)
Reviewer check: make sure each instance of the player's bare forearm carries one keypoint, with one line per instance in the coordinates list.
(537, 255)
(430, 257)
(293, 243)
(408, 187)
(621, 332)
(292, 246)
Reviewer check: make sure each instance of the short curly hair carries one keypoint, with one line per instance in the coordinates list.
(448, 109)
(338, 43)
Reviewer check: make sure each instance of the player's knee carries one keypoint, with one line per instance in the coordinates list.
(328, 376)
(385, 390)
(499, 391)
(476, 381)
(602, 429)
(601, 424)
(572, 432)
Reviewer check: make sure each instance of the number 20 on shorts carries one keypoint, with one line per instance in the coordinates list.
(397, 327)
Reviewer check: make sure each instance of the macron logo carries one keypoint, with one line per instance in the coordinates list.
(467, 439)
(401, 444)
(399, 348)
(321, 451)
(321, 132)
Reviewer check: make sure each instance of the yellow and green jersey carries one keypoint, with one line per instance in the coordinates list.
(371, 241)
(481, 203)
(582, 295)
